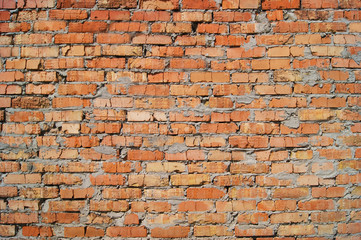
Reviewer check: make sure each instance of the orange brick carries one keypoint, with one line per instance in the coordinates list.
(74, 231)
(92, 27)
(7, 230)
(320, 4)
(159, 5)
(204, 193)
(68, 14)
(192, 16)
(152, 16)
(211, 230)
(126, 232)
(294, 230)
(146, 63)
(253, 232)
(202, 4)
(328, 27)
(131, 219)
(112, 38)
(75, 4)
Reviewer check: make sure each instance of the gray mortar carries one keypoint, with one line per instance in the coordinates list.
(105, 149)
(263, 25)
(292, 121)
(311, 77)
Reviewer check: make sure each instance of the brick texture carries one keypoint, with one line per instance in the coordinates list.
(189, 119)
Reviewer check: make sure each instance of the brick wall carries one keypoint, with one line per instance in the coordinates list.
(180, 118)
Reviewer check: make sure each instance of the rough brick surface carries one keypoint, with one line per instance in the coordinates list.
(189, 119)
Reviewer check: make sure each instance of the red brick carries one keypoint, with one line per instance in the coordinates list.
(112, 38)
(274, 39)
(129, 27)
(250, 232)
(75, 4)
(92, 27)
(73, 38)
(285, 27)
(49, 26)
(159, 5)
(349, 228)
(63, 63)
(275, 15)
(126, 232)
(291, 193)
(320, 4)
(316, 205)
(235, 206)
(201, 4)
(204, 193)
(106, 63)
(74, 232)
(294, 230)
(14, 27)
(171, 232)
(131, 219)
(7, 230)
(328, 216)
(68, 14)
(94, 232)
(4, 15)
(146, 63)
(31, 231)
(252, 218)
(280, 4)
(153, 39)
(247, 193)
(195, 206)
(152, 16)
(171, 27)
(278, 205)
(106, 206)
(349, 4)
(19, 218)
(328, 27)
(9, 4)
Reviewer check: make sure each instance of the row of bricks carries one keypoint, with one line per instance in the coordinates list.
(113, 115)
(234, 138)
(125, 50)
(164, 16)
(84, 193)
(212, 102)
(112, 128)
(204, 218)
(191, 192)
(333, 195)
(209, 94)
(197, 178)
(213, 218)
(185, 232)
(180, 28)
(118, 81)
(185, 4)
(175, 129)
(179, 167)
(179, 63)
(150, 180)
(200, 40)
(235, 141)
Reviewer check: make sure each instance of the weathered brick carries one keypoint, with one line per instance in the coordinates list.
(126, 232)
(294, 230)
